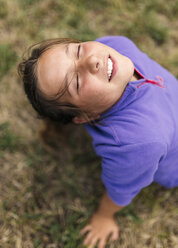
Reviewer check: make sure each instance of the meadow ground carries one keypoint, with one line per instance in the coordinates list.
(46, 197)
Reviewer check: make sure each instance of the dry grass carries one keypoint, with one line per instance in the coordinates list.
(46, 197)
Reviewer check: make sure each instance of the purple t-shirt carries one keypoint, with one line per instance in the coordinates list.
(137, 138)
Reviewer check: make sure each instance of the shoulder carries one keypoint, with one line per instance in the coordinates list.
(114, 38)
(127, 128)
(125, 46)
(101, 133)
(117, 42)
(136, 124)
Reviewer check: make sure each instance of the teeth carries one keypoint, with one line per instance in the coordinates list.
(110, 68)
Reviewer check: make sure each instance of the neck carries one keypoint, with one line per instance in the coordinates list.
(135, 76)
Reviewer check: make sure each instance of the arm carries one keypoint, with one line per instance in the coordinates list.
(107, 207)
(102, 224)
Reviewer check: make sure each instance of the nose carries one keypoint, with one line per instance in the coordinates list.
(90, 63)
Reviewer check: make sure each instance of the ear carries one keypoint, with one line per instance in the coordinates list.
(81, 119)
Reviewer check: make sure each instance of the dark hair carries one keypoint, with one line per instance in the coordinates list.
(46, 108)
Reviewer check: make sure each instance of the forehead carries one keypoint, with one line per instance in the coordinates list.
(50, 73)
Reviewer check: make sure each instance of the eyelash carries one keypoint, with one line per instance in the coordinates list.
(78, 55)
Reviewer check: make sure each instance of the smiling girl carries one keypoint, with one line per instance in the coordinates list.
(127, 102)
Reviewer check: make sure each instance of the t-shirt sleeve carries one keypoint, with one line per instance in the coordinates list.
(128, 168)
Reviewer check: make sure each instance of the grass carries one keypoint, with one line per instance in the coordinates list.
(46, 197)
(8, 58)
(3, 9)
(8, 141)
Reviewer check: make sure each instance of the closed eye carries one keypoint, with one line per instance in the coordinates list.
(78, 55)
(77, 82)
(78, 51)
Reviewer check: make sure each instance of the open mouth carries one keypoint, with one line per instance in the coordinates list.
(112, 68)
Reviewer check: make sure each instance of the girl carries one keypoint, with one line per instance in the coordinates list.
(127, 102)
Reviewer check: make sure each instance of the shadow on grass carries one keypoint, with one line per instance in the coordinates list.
(66, 188)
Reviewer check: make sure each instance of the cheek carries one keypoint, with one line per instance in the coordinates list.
(94, 96)
(91, 46)
(91, 88)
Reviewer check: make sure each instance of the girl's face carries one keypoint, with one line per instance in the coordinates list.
(82, 68)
